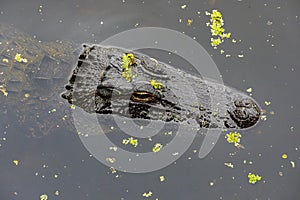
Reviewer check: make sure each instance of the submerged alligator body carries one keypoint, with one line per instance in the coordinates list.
(97, 84)
(33, 104)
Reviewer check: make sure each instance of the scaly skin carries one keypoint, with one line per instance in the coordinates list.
(97, 85)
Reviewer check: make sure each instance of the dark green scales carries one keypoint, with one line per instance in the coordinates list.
(96, 85)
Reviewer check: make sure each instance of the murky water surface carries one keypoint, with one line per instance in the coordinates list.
(264, 58)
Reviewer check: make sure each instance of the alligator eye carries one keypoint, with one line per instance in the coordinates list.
(104, 91)
(144, 97)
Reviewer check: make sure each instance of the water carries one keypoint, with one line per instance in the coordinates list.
(59, 161)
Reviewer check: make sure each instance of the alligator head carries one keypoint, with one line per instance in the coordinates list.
(97, 85)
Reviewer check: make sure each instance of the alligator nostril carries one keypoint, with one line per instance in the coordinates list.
(241, 113)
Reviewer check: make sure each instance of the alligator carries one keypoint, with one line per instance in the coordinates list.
(97, 84)
(97, 81)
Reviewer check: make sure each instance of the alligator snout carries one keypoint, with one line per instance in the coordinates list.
(245, 112)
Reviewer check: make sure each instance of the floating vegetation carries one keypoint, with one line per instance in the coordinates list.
(52, 110)
(284, 156)
(253, 178)
(72, 106)
(161, 178)
(3, 90)
(249, 90)
(134, 142)
(147, 194)
(157, 147)
(44, 197)
(268, 103)
(293, 164)
(56, 192)
(216, 27)
(131, 141)
(263, 117)
(18, 58)
(183, 6)
(215, 42)
(230, 165)
(233, 137)
(110, 160)
(239, 146)
(155, 85)
(128, 60)
(189, 22)
(16, 162)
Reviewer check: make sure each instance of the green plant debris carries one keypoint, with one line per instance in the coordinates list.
(128, 60)
(293, 164)
(161, 178)
(110, 160)
(249, 90)
(52, 111)
(189, 22)
(133, 142)
(3, 90)
(239, 146)
(157, 147)
(230, 165)
(155, 85)
(72, 106)
(56, 192)
(183, 6)
(268, 103)
(44, 197)
(263, 117)
(253, 178)
(284, 156)
(16, 162)
(216, 27)
(18, 57)
(249, 162)
(215, 42)
(147, 194)
(233, 137)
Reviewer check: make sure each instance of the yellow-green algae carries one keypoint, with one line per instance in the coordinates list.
(128, 60)
(155, 84)
(216, 27)
(253, 178)
(233, 137)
